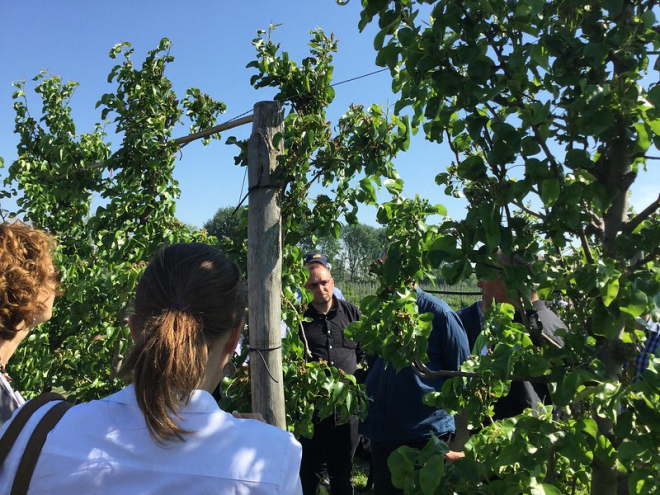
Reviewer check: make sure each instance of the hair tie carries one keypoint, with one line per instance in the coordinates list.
(178, 305)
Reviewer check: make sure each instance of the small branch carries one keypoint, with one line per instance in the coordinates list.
(452, 147)
(586, 247)
(652, 256)
(640, 217)
(308, 353)
(424, 372)
(527, 210)
(182, 141)
(492, 110)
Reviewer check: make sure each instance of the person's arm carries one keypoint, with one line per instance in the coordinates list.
(448, 347)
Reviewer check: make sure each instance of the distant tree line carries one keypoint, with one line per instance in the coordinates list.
(350, 255)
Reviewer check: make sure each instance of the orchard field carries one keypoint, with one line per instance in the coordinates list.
(551, 110)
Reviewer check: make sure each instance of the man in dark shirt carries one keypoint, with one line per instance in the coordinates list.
(333, 443)
(543, 324)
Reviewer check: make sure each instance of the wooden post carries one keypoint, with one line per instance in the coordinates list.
(265, 266)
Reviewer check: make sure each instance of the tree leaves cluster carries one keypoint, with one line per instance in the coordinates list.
(550, 118)
(102, 249)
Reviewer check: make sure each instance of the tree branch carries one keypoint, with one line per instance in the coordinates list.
(308, 353)
(425, 373)
(518, 204)
(640, 217)
(182, 141)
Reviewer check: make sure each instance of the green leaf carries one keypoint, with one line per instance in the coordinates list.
(400, 466)
(610, 291)
(472, 168)
(654, 96)
(549, 191)
(630, 451)
(614, 7)
(388, 56)
(431, 474)
(635, 303)
(545, 489)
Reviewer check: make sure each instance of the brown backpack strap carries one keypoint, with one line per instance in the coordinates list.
(20, 419)
(35, 444)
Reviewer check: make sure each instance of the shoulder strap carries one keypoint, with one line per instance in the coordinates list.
(35, 444)
(20, 419)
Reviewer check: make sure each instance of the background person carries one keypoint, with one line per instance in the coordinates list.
(165, 433)
(320, 258)
(397, 414)
(28, 285)
(544, 324)
(333, 443)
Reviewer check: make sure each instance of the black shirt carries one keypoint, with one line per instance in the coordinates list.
(325, 335)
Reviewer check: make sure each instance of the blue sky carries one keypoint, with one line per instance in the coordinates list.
(212, 45)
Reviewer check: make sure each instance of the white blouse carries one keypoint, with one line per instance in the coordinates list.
(104, 447)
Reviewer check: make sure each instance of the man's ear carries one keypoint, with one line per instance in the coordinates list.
(133, 327)
(234, 337)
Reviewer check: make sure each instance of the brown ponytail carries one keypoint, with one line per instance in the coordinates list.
(189, 295)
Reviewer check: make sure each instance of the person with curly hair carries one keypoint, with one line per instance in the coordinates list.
(28, 285)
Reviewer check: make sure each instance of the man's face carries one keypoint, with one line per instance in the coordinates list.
(494, 290)
(321, 283)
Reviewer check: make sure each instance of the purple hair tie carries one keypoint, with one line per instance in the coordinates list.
(178, 305)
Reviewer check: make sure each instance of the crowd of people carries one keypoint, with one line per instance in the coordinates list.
(165, 433)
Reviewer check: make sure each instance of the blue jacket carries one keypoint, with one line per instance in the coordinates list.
(397, 413)
(471, 318)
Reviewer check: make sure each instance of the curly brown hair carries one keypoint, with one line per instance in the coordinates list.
(25, 266)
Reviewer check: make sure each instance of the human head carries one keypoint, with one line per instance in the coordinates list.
(495, 289)
(316, 257)
(321, 283)
(189, 303)
(28, 279)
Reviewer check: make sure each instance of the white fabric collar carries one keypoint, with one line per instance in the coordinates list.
(200, 400)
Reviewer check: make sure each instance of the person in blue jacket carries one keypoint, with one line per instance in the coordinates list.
(397, 414)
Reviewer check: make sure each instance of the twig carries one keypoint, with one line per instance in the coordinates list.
(308, 353)
(585, 246)
(640, 217)
(424, 372)
(527, 210)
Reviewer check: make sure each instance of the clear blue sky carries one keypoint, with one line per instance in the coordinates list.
(211, 44)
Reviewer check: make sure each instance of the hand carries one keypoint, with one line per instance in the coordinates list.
(255, 416)
(452, 455)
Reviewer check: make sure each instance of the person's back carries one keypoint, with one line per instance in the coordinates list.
(104, 447)
(165, 433)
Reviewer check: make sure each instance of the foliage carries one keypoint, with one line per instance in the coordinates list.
(363, 143)
(228, 223)
(101, 251)
(547, 111)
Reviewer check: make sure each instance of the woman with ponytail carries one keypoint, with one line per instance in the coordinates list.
(164, 433)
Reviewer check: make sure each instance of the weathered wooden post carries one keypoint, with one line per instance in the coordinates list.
(265, 266)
